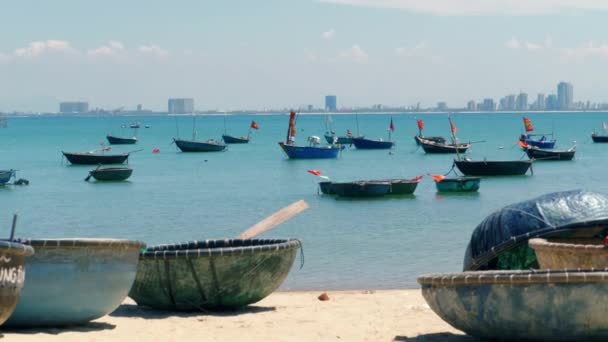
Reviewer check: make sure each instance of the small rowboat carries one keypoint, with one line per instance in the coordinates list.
(229, 139)
(111, 173)
(542, 154)
(458, 184)
(371, 144)
(362, 188)
(95, 158)
(597, 138)
(212, 274)
(199, 146)
(436, 147)
(114, 140)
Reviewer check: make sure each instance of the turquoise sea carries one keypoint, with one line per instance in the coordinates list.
(348, 244)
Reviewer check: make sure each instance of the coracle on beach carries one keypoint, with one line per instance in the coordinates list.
(73, 281)
(212, 274)
(12, 275)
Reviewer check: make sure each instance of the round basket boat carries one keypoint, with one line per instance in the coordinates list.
(570, 253)
(522, 305)
(12, 275)
(212, 274)
(73, 281)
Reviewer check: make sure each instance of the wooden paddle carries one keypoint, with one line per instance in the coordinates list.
(274, 220)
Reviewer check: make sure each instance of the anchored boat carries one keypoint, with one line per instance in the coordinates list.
(115, 140)
(95, 157)
(313, 151)
(110, 173)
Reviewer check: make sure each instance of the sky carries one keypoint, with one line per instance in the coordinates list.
(257, 54)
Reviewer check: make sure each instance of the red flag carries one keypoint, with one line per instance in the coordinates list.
(315, 172)
(392, 126)
(528, 124)
(522, 144)
(254, 125)
(438, 178)
(417, 179)
(420, 124)
(452, 126)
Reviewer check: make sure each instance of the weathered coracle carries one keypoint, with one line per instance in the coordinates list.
(522, 305)
(570, 253)
(12, 275)
(500, 241)
(74, 281)
(458, 184)
(212, 274)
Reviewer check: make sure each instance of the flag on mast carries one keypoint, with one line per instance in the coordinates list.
(254, 125)
(392, 126)
(420, 124)
(452, 126)
(528, 124)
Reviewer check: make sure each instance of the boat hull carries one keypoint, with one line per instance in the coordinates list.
(563, 305)
(212, 274)
(441, 148)
(599, 138)
(437, 139)
(401, 186)
(6, 175)
(370, 144)
(111, 174)
(199, 146)
(114, 140)
(458, 184)
(540, 143)
(326, 188)
(361, 189)
(228, 139)
(13, 265)
(74, 281)
(539, 154)
(342, 140)
(310, 152)
(493, 168)
(95, 159)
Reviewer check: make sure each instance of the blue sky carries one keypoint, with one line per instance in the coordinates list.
(233, 54)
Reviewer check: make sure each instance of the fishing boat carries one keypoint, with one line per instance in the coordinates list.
(542, 154)
(313, 151)
(600, 138)
(95, 157)
(456, 184)
(470, 167)
(363, 143)
(400, 186)
(110, 173)
(532, 140)
(437, 139)
(361, 188)
(229, 139)
(74, 281)
(211, 145)
(538, 305)
(135, 124)
(6, 176)
(212, 274)
(500, 241)
(332, 138)
(442, 148)
(116, 140)
(12, 266)
(326, 188)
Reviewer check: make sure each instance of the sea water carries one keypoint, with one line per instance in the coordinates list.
(348, 243)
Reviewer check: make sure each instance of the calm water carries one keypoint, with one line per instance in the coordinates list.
(378, 243)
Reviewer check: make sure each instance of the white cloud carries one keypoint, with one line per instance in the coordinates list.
(513, 43)
(153, 50)
(329, 34)
(481, 7)
(516, 44)
(40, 47)
(418, 50)
(586, 50)
(355, 54)
(113, 48)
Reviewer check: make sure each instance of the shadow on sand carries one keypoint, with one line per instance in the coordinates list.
(91, 326)
(438, 337)
(132, 310)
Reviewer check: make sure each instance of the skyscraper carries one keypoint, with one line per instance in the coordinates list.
(180, 106)
(551, 103)
(565, 93)
(331, 103)
(73, 107)
(522, 101)
(471, 106)
(540, 102)
(489, 105)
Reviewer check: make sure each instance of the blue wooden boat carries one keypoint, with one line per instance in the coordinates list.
(458, 184)
(542, 154)
(538, 305)
(542, 142)
(6, 176)
(361, 188)
(212, 274)
(500, 241)
(313, 151)
(74, 281)
(363, 143)
(199, 146)
(12, 268)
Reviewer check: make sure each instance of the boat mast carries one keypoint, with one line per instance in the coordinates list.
(454, 141)
(193, 127)
(357, 119)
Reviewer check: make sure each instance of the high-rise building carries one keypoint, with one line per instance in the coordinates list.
(565, 96)
(442, 106)
(331, 103)
(73, 107)
(522, 102)
(471, 106)
(180, 106)
(540, 102)
(551, 103)
(488, 105)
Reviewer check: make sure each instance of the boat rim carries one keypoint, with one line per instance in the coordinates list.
(81, 242)
(216, 248)
(15, 248)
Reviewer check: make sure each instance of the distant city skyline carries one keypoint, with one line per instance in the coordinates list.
(238, 54)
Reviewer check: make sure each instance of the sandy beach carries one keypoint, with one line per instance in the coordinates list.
(394, 315)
